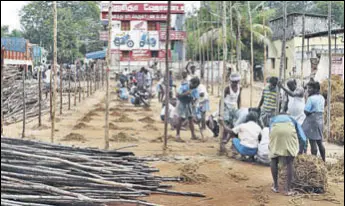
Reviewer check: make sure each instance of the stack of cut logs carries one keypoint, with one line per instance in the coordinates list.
(35, 173)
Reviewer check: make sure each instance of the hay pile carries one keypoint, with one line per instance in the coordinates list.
(190, 175)
(74, 137)
(336, 171)
(80, 126)
(122, 137)
(310, 174)
(337, 109)
(238, 177)
(150, 127)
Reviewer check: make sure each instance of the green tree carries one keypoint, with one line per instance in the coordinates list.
(78, 24)
(4, 31)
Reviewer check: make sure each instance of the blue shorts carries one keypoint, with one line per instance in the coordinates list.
(242, 149)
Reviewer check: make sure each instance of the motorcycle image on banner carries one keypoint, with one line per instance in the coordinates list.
(146, 40)
(123, 39)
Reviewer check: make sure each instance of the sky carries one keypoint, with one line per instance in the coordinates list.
(10, 10)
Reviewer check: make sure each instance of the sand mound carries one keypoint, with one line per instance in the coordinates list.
(260, 197)
(42, 127)
(336, 171)
(130, 110)
(310, 174)
(122, 137)
(148, 120)
(74, 137)
(238, 177)
(86, 118)
(189, 174)
(116, 114)
(150, 127)
(81, 125)
(160, 139)
(124, 118)
(92, 114)
(100, 109)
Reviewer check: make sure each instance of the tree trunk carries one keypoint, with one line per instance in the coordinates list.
(167, 76)
(2, 87)
(55, 73)
(106, 135)
(24, 103)
(224, 72)
(61, 89)
(251, 54)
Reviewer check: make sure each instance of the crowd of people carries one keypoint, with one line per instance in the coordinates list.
(257, 134)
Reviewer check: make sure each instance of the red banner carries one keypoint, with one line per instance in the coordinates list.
(140, 55)
(174, 35)
(144, 8)
(130, 17)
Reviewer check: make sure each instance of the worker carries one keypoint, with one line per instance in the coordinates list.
(313, 124)
(268, 101)
(140, 77)
(232, 102)
(247, 136)
(295, 103)
(285, 136)
(203, 104)
(191, 73)
(187, 95)
(262, 156)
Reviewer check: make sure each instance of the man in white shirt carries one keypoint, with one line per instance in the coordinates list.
(263, 150)
(248, 136)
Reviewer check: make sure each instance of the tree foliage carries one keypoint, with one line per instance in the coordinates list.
(78, 26)
(5, 32)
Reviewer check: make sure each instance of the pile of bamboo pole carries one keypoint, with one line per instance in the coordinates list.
(35, 173)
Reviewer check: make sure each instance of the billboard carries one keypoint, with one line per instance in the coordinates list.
(143, 8)
(131, 17)
(139, 25)
(131, 40)
(123, 40)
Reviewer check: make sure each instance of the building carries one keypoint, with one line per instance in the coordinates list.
(139, 33)
(316, 44)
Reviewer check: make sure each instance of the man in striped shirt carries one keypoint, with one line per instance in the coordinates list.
(268, 101)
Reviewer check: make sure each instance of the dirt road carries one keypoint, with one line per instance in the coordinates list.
(226, 182)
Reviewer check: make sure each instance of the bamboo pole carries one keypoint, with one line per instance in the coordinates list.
(218, 48)
(55, 73)
(303, 42)
(207, 69)
(231, 29)
(238, 44)
(198, 40)
(88, 81)
(265, 50)
(167, 76)
(69, 89)
(283, 55)
(75, 86)
(24, 103)
(251, 53)
(329, 95)
(2, 80)
(221, 112)
(39, 97)
(212, 69)
(61, 90)
(79, 85)
(106, 135)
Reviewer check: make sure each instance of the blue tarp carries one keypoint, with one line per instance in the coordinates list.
(96, 55)
(14, 44)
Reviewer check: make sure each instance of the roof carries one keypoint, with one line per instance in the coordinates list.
(300, 14)
(324, 33)
(96, 55)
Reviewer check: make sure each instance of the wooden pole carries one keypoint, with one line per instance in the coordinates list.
(212, 61)
(218, 48)
(39, 98)
(329, 95)
(265, 50)
(55, 73)
(75, 85)
(221, 112)
(207, 69)
(251, 54)
(69, 89)
(238, 44)
(79, 85)
(106, 136)
(2, 87)
(303, 42)
(61, 69)
(231, 29)
(51, 92)
(167, 76)
(95, 76)
(24, 103)
(198, 40)
(283, 55)
(88, 81)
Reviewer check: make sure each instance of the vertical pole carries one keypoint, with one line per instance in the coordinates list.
(221, 112)
(83, 87)
(51, 92)
(102, 74)
(218, 48)
(24, 103)
(283, 55)
(251, 54)
(167, 76)
(106, 135)
(61, 89)
(79, 85)
(212, 61)
(238, 44)
(39, 98)
(76, 76)
(88, 81)
(2, 86)
(69, 89)
(198, 40)
(231, 29)
(208, 60)
(329, 96)
(303, 41)
(55, 73)
(265, 50)
(95, 77)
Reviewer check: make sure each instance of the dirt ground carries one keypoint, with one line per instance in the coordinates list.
(228, 182)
